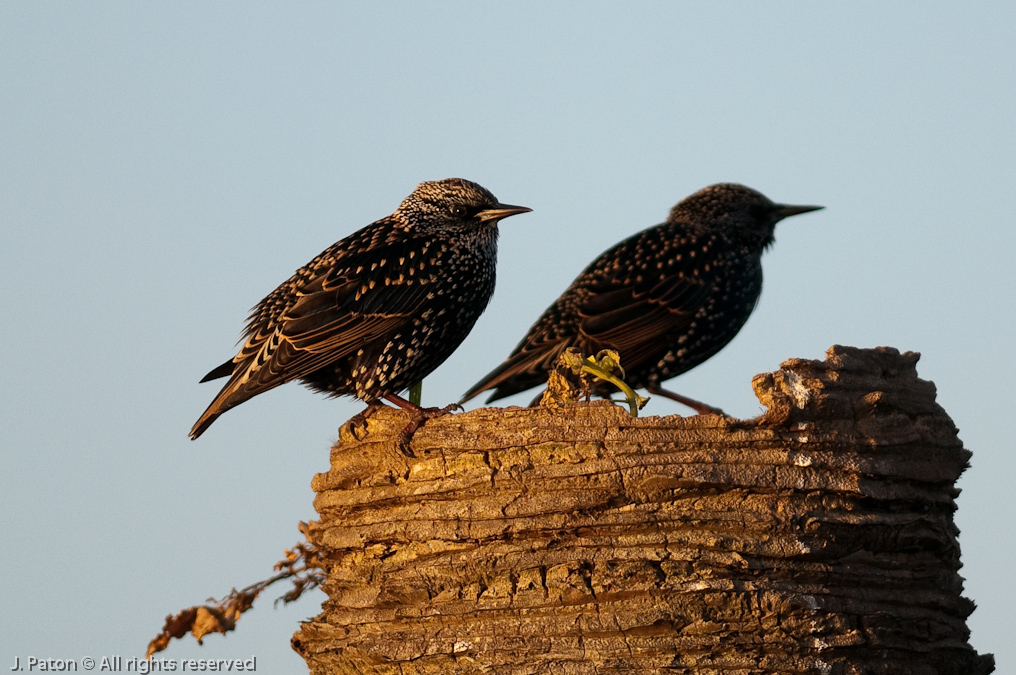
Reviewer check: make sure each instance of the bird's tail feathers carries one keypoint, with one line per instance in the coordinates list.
(203, 423)
(519, 372)
(231, 395)
(225, 370)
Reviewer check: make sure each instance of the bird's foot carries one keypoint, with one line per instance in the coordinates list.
(359, 421)
(418, 417)
(698, 406)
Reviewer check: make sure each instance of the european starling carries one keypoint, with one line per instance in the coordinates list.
(666, 299)
(377, 312)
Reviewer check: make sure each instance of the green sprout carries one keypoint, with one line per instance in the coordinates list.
(602, 366)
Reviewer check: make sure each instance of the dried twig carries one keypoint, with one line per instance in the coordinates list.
(303, 565)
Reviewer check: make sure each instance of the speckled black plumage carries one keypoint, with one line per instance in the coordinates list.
(378, 311)
(666, 299)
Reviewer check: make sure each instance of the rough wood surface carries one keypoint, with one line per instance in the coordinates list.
(817, 538)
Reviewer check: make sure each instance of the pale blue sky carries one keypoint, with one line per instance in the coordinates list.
(164, 166)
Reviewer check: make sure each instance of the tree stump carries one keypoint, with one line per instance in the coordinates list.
(816, 538)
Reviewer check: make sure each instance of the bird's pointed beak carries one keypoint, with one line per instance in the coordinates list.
(501, 211)
(786, 210)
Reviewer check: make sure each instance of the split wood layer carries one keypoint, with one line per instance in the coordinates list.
(817, 538)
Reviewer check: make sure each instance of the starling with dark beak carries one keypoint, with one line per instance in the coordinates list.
(666, 299)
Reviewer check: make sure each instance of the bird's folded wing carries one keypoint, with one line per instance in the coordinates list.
(634, 319)
(333, 315)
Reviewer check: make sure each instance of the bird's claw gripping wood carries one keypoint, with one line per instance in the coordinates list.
(602, 366)
(359, 421)
(419, 417)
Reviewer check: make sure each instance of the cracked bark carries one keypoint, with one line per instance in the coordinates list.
(817, 538)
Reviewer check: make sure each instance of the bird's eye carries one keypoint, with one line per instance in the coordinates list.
(459, 211)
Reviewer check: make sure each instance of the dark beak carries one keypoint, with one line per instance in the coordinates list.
(782, 211)
(501, 211)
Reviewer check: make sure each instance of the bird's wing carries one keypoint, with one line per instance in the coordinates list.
(330, 312)
(636, 318)
(613, 304)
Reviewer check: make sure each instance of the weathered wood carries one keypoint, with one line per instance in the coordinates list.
(817, 538)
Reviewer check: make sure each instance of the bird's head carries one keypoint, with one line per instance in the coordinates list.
(746, 214)
(453, 205)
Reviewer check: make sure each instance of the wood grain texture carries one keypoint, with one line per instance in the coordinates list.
(816, 538)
